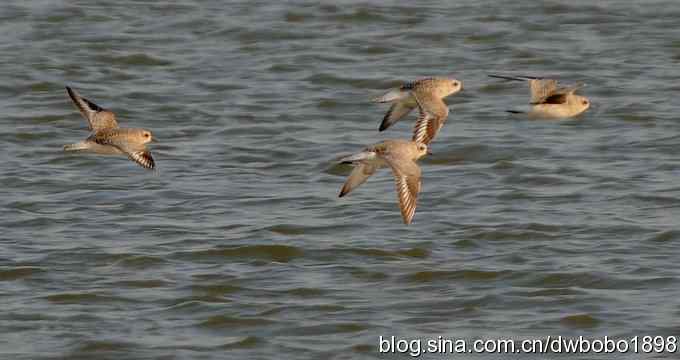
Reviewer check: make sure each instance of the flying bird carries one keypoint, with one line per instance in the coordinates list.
(401, 157)
(425, 94)
(107, 137)
(550, 101)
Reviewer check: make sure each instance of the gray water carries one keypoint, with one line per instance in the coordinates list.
(238, 247)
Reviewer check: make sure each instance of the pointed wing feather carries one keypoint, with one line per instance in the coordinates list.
(407, 178)
(97, 117)
(407, 197)
(358, 176)
(397, 111)
(143, 158)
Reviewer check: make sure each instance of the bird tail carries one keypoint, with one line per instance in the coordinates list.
(515, 111)
(76, 147)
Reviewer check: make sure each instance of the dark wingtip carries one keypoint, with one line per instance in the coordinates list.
(342, 193)
(72, 94)
(515, 111)
(386, 122)
(504, 77)
(152, 163)
(92, 105)
(515, 78)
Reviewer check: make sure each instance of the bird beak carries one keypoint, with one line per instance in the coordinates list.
(154, 139)
(429, 152)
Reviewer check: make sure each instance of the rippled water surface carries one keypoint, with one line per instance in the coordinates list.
(238, 247)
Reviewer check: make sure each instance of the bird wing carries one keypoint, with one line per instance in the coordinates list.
(397, 111)
(541, 89)
(97, 117)
(433, 115)
(358, 176)
(394, 94)
(560, 95)
(407, 177)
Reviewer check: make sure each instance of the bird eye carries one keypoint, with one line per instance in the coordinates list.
(585, 102)
(455, 83)
(146, 135)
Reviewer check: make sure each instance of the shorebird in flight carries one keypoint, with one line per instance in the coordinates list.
(401, 156)
(426, 94)
(548, 101)
(107, 138)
